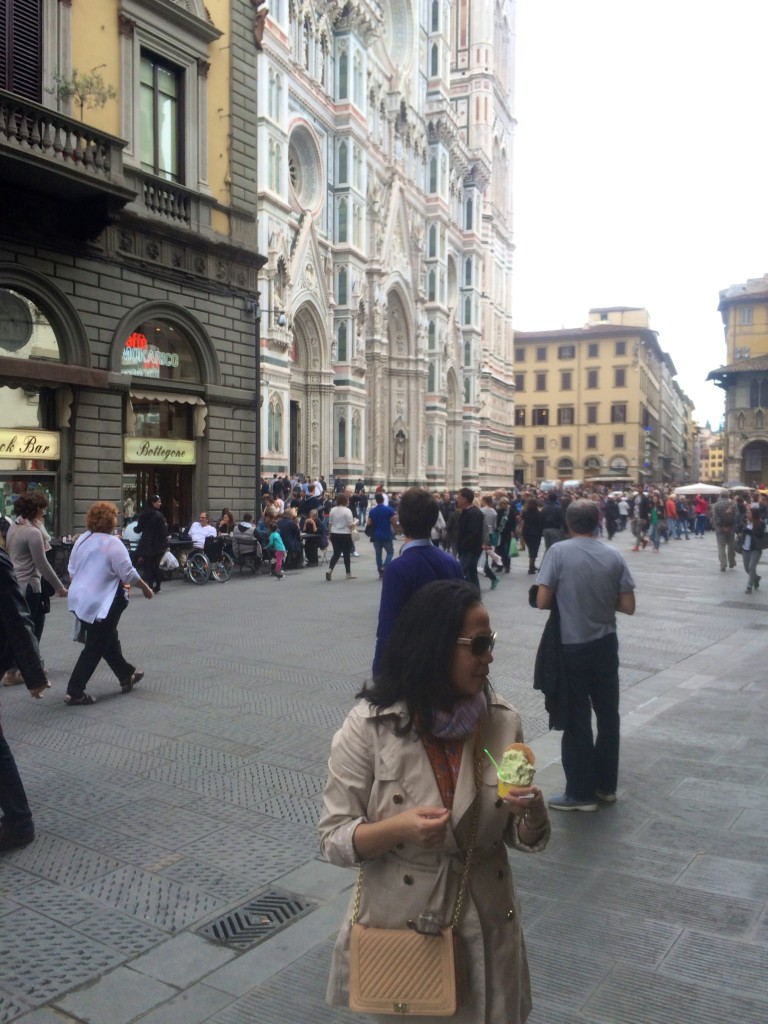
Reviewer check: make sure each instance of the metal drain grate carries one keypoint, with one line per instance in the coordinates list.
(257, 920)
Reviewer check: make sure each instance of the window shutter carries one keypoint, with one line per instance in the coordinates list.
(21, 48)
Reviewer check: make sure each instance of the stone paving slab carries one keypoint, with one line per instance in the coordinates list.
(158, 811)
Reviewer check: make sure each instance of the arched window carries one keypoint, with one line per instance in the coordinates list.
(275, 424)
(468, 271)
(431, 377)
(432, 250)
(357, 163)
(343, 75)
(565, 465)
(431, 450)
(764, 394)
(341, 288)
(356, 432)
(435, 24)
(278, 171)
(433, 174)
(466, 455)
(341, 338)
(759, 420)
(440, 459)
(342, 236)
(468, 310)
(754, 395)
(357, 226)
(358, 83)
(434, 61)
(468, 215)
(272, 103)
(343, 163)
(467, 353)
(467, 390)
(432, 334)
(431, 286)
(741, 421)
(323, 59)
(342, 439)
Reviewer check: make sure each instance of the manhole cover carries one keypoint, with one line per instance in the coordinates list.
(257, 919)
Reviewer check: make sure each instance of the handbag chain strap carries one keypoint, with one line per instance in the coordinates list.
(467, 858)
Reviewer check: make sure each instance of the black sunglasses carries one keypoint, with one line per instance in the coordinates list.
(478, 645)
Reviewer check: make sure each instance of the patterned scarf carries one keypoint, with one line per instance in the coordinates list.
(460, 722)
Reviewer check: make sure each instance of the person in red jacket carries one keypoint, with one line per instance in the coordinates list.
(701, 508)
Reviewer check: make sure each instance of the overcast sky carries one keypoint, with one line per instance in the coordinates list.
(641, 167)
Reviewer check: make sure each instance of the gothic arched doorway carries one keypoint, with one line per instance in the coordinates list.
(311, 392)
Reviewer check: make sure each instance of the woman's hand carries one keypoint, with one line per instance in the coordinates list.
(530, 802)
(146, 590)
(424, 826)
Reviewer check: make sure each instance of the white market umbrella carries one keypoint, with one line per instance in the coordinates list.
(700, 489)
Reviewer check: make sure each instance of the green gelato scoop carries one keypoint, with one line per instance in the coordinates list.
(516, 769)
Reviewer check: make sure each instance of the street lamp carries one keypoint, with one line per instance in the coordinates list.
(253, 306)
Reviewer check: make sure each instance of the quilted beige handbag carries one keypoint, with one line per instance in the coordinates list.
(403, 971)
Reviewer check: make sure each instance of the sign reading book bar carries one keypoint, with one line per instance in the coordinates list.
(158, 451)
(29, 444)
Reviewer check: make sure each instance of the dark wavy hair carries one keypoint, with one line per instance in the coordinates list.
(30, 505)
(416, 663)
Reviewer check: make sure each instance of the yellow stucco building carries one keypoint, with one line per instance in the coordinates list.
(744, 378)
(599, 403)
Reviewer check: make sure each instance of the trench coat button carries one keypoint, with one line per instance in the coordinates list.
(408, 879)
(511, 914)
(397, 799)
(399, 846)
(498, 803)
(501, 876)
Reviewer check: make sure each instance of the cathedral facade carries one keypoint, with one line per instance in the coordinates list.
(384, 157)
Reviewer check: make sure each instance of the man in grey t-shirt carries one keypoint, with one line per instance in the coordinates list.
(591, 582)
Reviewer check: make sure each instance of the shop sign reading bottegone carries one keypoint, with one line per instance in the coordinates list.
(154, 451)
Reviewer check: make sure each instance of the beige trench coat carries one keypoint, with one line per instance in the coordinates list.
(374, 774)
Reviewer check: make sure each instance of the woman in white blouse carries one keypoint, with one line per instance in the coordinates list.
(100, 567)
(340, 525)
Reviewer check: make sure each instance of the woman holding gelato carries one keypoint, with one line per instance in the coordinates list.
(409, 782)
(751, 543)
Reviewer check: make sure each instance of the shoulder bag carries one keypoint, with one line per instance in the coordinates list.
(403, 971)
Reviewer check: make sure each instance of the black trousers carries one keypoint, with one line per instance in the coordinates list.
(101, 641)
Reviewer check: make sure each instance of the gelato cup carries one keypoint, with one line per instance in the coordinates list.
(516, 770)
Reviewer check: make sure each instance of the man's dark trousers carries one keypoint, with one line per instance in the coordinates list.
(592, 670)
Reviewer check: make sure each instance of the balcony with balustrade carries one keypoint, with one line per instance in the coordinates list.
(57, 172)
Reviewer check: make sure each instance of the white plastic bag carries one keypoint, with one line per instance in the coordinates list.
(169, 561)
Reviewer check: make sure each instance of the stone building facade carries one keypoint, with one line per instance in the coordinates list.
(127, 254)
(384, 170)
(600, 404)
(744, 379)
(153, 160)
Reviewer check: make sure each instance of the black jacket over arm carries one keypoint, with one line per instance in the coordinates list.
(18, 645)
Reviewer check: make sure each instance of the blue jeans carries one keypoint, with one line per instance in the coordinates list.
(380, 546)
(13, 799)
(750, 559)
(592, 671)
(653, 534)
(468, 563)
(701, 525)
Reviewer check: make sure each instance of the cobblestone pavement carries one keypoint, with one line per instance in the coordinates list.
(161, 812)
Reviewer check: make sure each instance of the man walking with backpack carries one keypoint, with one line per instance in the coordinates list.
(724, 521)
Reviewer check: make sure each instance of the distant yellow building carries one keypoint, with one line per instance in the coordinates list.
(711, 456)
(744, 378)
(599, 404)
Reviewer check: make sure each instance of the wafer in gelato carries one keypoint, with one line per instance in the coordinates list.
(516, 770)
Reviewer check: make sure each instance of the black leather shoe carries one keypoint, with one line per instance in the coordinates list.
(14, 838)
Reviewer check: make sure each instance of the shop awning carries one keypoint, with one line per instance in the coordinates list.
(201, 410)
